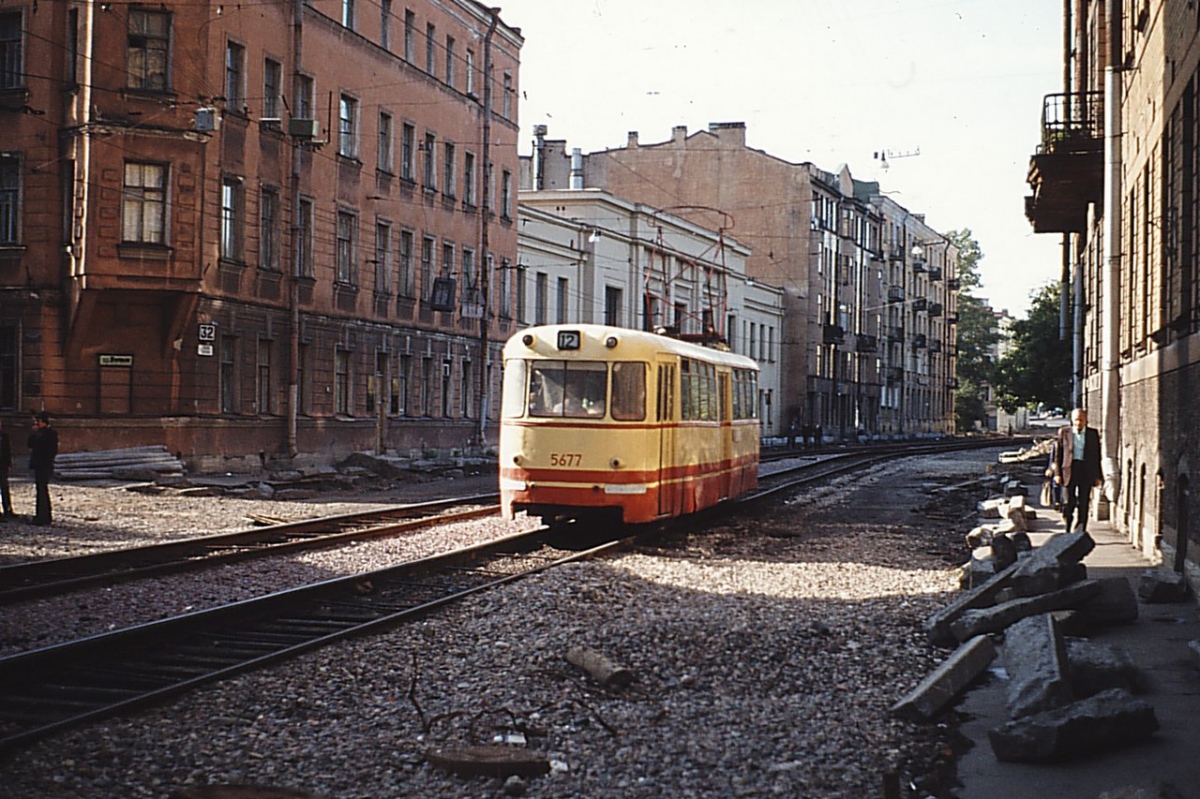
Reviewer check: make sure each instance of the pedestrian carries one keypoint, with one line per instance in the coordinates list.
(43, 448)
(5, 468)
(1077, 467)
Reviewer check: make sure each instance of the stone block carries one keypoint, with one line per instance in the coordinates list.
(990, 508)
(981, 536)
(1004, 551)
(1157, 586)
(1000, 617)
(1096, 667)
(1108, 720)
(1035, 656)
(1115, 604)
(1056, 563)
(937, 626)
(947, 681)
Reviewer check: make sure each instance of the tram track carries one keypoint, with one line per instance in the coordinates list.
(42, 578)
(47, 690)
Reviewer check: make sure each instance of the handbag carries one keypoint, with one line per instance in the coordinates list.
(1047, 497)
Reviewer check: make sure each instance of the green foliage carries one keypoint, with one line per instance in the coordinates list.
(975, 336)
(1038, 367)
(969, 256)
(969, 408)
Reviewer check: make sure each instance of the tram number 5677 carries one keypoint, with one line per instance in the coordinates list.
(566, 458)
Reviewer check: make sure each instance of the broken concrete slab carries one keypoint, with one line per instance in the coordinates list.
(1056, 563)
(947, 681)
(1035, 656)
(1115, 604)
(1108, 720)
(1096, 667)
(1000, 617)
(1157, 586)
(937, 626)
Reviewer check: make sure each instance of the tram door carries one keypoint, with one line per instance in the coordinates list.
(670, 492)
(726, 418)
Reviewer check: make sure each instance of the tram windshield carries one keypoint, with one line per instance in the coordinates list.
(573, 389)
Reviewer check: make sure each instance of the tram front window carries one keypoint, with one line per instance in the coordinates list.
(561, 388)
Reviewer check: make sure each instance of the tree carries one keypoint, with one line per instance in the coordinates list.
(975, 336)
(1038, 366)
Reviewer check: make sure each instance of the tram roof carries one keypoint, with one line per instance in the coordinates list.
(634, 344)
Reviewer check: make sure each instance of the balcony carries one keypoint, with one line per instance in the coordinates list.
(935, 309)
(935, 345)
(953, 284)
(895, 294)
(919, 341)
(1067, 171)
(919, 304)
(895, 374)
(895, 335)
(918, 265)
(935, 273)
(833, 334)
(952, 318)
(865, 343)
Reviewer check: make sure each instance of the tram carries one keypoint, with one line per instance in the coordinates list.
(606, 424)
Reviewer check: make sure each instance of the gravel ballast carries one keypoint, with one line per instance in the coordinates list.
(765, 651)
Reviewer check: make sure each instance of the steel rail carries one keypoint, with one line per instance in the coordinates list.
(42, 578)
(51, 689)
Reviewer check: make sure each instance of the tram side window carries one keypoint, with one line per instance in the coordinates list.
(629, 392)
(512, 403)
(561, 388)
(745, 388)
(698, 389)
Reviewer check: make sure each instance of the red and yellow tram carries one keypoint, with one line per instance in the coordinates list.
(605, 423)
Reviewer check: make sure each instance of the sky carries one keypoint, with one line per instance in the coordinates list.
(951, 90)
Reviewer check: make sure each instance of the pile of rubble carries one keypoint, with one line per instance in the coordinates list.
(1066, 695)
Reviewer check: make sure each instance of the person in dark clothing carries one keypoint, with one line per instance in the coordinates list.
(1077, 467)
(5, 468)
(43, 448)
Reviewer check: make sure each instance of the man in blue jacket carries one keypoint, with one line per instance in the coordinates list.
(1077, 467)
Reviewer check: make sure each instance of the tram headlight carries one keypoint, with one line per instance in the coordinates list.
(615, 463)
(517, 459)
(527, 339)
(610, 342)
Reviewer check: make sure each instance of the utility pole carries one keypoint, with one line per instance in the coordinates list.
(484, 219)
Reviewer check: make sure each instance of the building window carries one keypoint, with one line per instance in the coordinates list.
(305, 92)
(400, 386)
(348, 126)
(505, 288)
(303, 389)
(385, 142)
(509, 94)
(268, 242)
(469, 280)
(408, 135)
(229, 392)
(406, 265)
(347, 271)
(505, 194)
(272, 89)
(427, 245)
(305, 214)
(447, 369)
(425, 390)
(385, 24)
(449, 61)
(540, 299)
(231, 218)
(263, 387)
(12, 70)
(468, 178)
(522, 291)
(612, 306)
(430, 49)
(410, 22)
(470, 68)
(147, 59)
(144, 204)
(464, 391)
(383, 258)
(430, 162)
(348, 14)
(447, 259)
(10, 198)
(448, 164)
(235, 68)
(9, 365)
(563, 290)
(341, 382)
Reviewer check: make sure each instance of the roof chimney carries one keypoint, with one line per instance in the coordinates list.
(731, 133)
(632, 142)
(679, 133)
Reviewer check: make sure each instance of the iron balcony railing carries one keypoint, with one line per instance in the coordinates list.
(1072, 122)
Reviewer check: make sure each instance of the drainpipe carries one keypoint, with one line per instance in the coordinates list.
(1111, 277)
(484, 217)
(293, 409)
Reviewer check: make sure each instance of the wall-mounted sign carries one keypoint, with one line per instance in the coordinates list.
(116, 360)
(208, 333)
(204, 349)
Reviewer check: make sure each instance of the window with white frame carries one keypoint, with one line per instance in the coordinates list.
(385, 24)
(430, 162)
(469, 66)
(341, 382)
(427, 245)
(505, 289)
(449, 161)
(408, 136)
(385, 153)
(449, 74)
(509, 95)
(305, 93)
(235, 76)
(563, 309)
(406, 263)
(348, 126)
(272, 89)
(505, 194)
(305, 220)
(346, 266)
(348, 14)
(232, 204)
(268, 236)
(410, 22)
(430, 49)
(383, 257)
(148, 52)
(144, 203)
(468, 178)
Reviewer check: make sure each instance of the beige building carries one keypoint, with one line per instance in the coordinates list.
(585, 256)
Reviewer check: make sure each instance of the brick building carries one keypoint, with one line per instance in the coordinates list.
(1116, 175)
(820, 236)
(255, 228)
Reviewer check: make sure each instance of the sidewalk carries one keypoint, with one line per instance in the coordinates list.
(1157, 644)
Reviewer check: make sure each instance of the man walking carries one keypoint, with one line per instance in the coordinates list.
(1077, 467)
(43, 448)
(5, 468)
